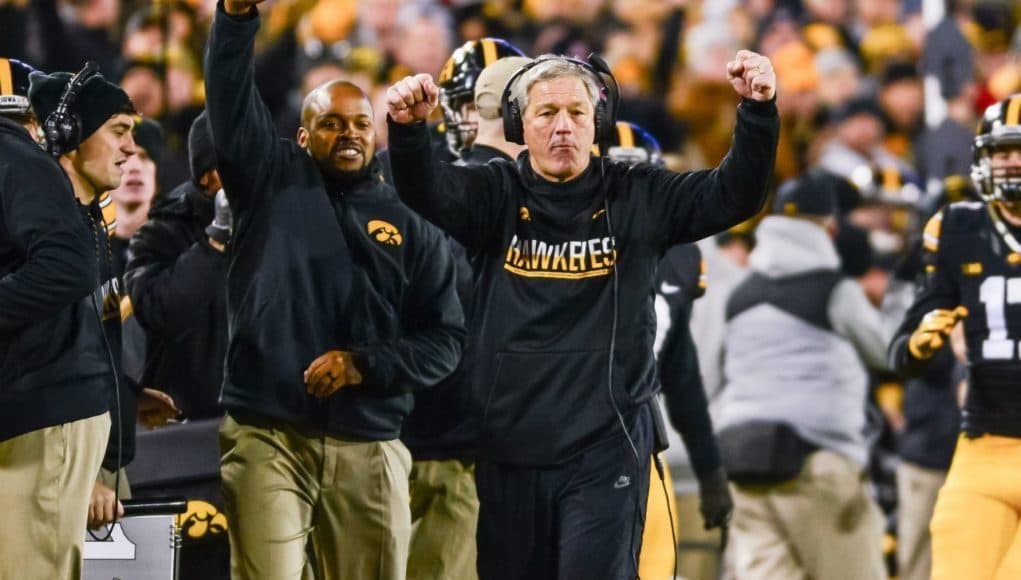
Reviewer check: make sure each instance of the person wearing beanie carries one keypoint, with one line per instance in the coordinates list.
(176, 278)
(54, 373)
(342, 304)
(792, 411)
(93, 156)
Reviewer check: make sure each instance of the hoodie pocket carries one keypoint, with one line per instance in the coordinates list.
(543, 407)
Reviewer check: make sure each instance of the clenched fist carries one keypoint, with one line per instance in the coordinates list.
(412, 98)
(752, 76)
(331, 371)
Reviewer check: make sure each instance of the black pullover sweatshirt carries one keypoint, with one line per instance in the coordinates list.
(317, 267)
(549, 256)
(54, 366)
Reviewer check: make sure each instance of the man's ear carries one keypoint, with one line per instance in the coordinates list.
(302, 138)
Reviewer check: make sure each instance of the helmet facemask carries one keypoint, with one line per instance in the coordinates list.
(459, 120)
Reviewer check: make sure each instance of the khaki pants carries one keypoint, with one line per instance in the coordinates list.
(445, 510)
(283, 486)
(917, 487)
(822, 525)
(46, 479)
(975, 531)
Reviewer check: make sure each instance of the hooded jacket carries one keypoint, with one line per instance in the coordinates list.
(54, 367)
(564, 269)
(797, 334)
(316, 267)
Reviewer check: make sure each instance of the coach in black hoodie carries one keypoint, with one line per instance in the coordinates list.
(54, 370)
(341, 303)
(568, 247)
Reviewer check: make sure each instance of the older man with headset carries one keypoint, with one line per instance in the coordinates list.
(567, 246)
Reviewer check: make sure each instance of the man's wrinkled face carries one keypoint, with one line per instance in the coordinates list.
(101, 157)
(337, 129)
(559, 125)
(138, 185)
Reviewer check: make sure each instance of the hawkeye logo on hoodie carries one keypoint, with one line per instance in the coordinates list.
(565, 261)
(384, 233)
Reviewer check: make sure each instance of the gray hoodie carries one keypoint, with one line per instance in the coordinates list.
(780, 367)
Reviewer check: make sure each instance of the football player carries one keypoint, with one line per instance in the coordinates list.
(973, 273)
(457, 88)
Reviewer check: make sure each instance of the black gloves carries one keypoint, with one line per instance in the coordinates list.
(716, 504)
(223, 222)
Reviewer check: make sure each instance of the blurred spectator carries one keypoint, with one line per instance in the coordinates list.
(702, 98)
(426, 40)
(839, 77)
(901, 99)
(135, 194)
(856, 137)
(792, 415)
(73, 31)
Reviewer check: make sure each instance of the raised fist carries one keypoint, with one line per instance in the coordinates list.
(752, 76)
(412, 98)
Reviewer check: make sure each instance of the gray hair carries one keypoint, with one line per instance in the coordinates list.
(549, 69)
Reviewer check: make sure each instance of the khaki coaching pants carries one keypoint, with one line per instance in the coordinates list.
(975, 526)
(917, 488)
(46, 479)
(284, 486)
(445, 507)
(822, 525)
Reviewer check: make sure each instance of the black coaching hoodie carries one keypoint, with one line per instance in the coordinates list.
(316, 266)
(543, 315)
(54, 366)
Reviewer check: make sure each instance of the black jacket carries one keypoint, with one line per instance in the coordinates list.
(178, 289)
(316, 268)
(53, 363)
(549, 282)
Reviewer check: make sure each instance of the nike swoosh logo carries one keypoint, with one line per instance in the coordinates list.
(668, 288)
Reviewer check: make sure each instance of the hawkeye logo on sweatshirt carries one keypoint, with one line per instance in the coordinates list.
(384, 233)
(565, 261)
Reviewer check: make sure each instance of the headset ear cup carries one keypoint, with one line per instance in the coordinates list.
(513, 128)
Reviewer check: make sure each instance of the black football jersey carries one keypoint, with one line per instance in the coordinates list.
(968, 263)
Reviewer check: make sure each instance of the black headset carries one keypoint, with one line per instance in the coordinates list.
(63, 128)
(606, 106)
